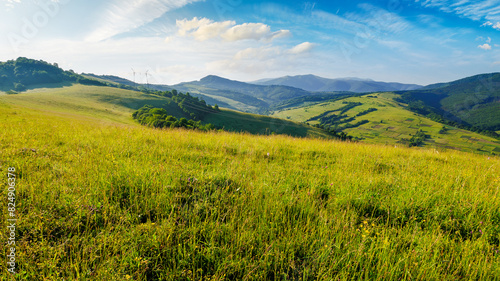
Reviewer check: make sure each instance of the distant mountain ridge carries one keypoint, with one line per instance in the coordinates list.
(315, 83)
(264, 92)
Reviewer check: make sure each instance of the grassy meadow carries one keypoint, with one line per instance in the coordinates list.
(391, 122)
(102, 198)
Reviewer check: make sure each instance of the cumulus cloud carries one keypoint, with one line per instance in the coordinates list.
(204, 29)
(485, 47)
(497, 26)
(255, 31)
(301, 48)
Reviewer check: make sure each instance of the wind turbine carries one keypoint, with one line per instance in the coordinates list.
(147, 81)
(133, 71)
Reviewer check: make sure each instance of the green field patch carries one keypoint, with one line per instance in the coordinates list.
(410, 120)
(442, 141)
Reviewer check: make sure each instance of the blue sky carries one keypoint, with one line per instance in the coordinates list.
(410, 41)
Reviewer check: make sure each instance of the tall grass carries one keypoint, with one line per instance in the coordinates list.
(103, 201)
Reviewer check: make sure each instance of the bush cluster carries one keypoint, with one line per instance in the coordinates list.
(159, 118)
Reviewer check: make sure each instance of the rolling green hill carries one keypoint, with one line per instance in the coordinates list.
(26, 74)
(474, 101)
(389, 123)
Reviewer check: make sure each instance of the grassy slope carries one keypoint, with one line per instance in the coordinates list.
(396, 123)
(101, 102)
(257, 124)
(108, 201)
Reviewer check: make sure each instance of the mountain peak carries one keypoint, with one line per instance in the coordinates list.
(212, 78)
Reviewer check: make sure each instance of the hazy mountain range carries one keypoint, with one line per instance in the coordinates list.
(314, 83)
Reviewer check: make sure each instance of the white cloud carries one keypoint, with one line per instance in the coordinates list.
(184, 26)
(169, 39)
(301, 48)
(244, 31)
(489, 23)
(204, 29)
(485, 47)
(120, 16)
(255, 31)
(475, 10)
